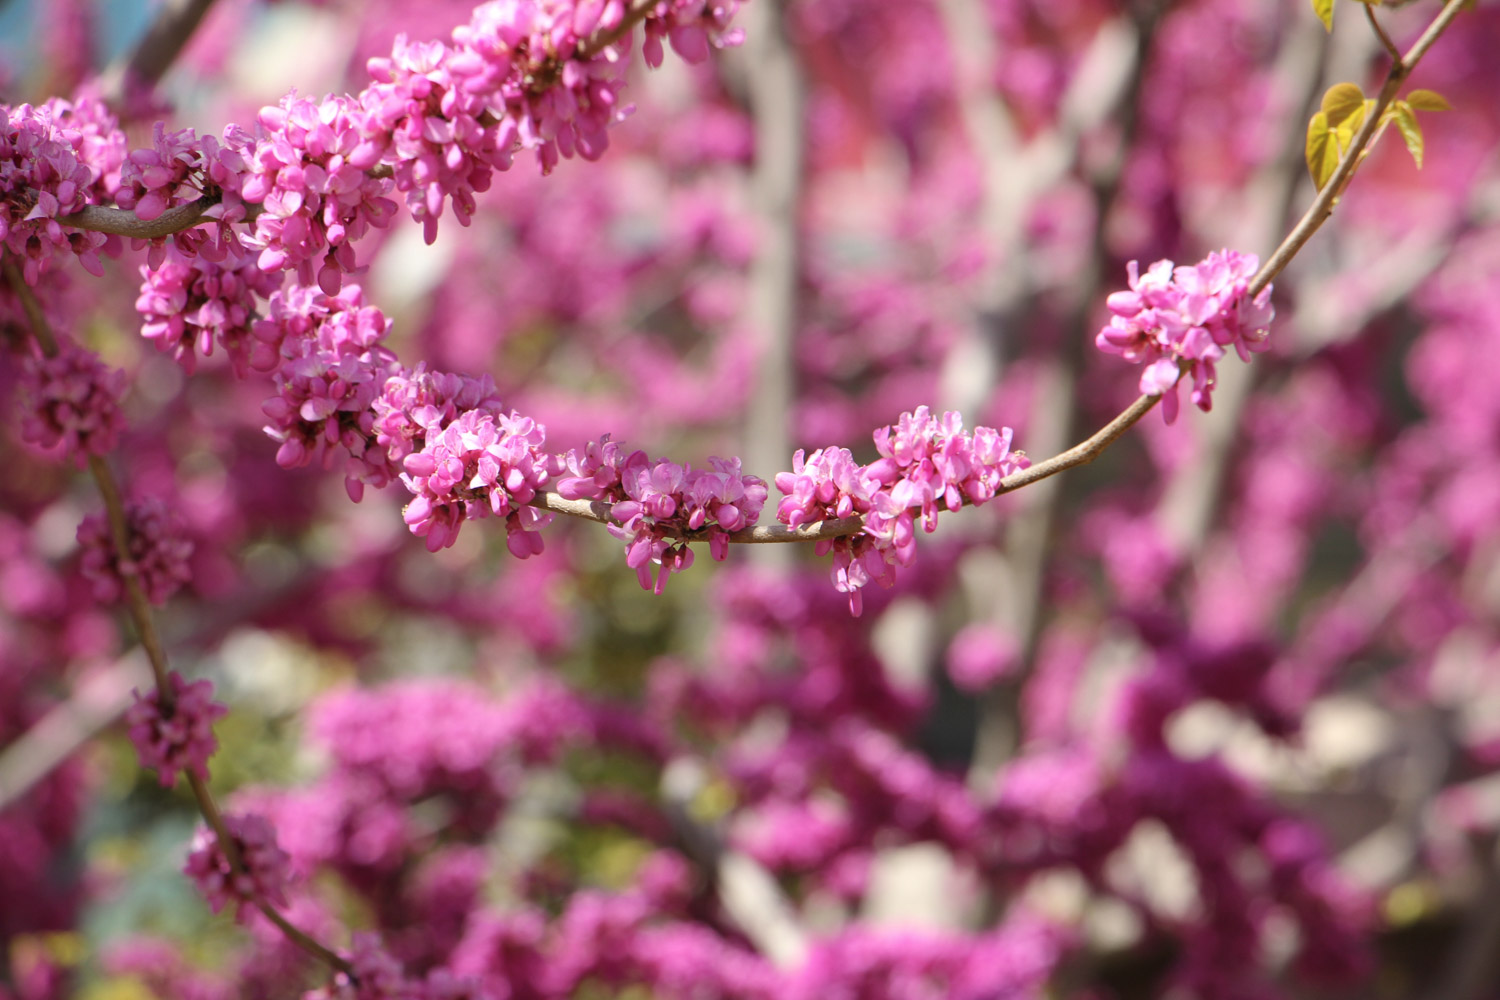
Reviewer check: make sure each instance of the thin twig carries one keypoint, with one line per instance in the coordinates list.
(215, 820)
(117, 221)
(145, 622)
(1385, 39)
(1080, 454)
(1322, 206)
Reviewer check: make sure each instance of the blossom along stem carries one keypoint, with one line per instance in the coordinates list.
(98, 218)
(1086, 451)
(145, 623)
(215, 820)
(1080, 454)
(607, 37)
(1322, 206)
(120, 222)
(109, 490)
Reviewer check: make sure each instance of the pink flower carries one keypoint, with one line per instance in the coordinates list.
(181, 739)
(52, 159)
(481, 463)
(924, 460)
(332, 370)
(316, 199)
(158, 554)
(71, 403)
(263, 866)
(1178, 321)
(658, 505)
(188, 304)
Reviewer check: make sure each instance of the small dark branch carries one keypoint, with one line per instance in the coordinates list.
(118, 222)
(40, 328)
(604, 39)
(145, 622)
(155, 53)
(546, 74)
(215, 820)
(1385, 39)
(1080, 454)
(1085, 451)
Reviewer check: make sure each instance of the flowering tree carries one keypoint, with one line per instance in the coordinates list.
(1214, 716)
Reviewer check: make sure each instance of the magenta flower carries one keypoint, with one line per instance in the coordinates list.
(49, 168)
(158, 553)
(413, 401)
(656, 504)
(924, 460)
(71, 403)
(264, 867)
(316, 201)
(188, 304)
(332, 370)
(1178, 321)
(480, 464)
(181, 739)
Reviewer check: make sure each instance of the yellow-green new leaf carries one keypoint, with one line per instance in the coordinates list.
(1406, 122)
(1350, 125)
(1324, 10)
(1322, 150)
(1341, 101)
(1428, 100)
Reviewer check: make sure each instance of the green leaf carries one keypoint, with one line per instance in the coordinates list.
(1324, 10)
(1322, 151)
(1350, 125)
(1428, 100)
(1406, 121)
(1341, 101)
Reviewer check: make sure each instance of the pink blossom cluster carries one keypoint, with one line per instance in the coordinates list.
(1014, 960)
(179, 167)
(478, 465)
(1179, 320)
(412, 401)
(439, 119)
(158, 552)
(657, 504)
(71, 402)
(376, 975)
(47, 171)
(1076, 805)
(179, 737)
(882, 792)
(263, 870)
(95, 134)
(435, 123)
(332, 369)
(315, 202)
(923, 460)
(188, 304)
(449, 745)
